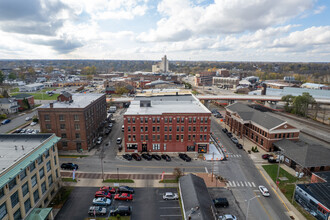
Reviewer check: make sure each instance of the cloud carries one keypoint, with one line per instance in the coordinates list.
(220, 17)
(319, 9)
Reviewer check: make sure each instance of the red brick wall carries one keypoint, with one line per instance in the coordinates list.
(173, 145)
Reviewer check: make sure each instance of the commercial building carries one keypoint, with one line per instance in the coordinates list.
(315, 86)
(77, 119)
(259, 127)
(167, 122)
(161, 66)
(225, 82)
(8, 106)
(223, 73)
(314, 197)
(204, 78)
(31, 87)
(29, 176)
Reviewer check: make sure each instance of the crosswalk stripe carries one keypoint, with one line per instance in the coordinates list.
(249, 184)
(242, 183)
(246, 183)
(237, 183)
(234, 185)
(253, 184)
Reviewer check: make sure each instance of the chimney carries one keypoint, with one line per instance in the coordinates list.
(15, 147)
(51, 104)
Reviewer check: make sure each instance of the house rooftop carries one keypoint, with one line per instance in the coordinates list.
(320, 191)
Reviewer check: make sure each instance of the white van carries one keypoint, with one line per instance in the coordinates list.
(112, 109)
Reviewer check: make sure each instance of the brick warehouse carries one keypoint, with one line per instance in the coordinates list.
(77, 122)
(259, 127)
(167, 123)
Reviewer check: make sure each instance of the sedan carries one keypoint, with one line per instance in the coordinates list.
(136, 156)
(229, 134)
(6, 121)
(69, 166)
(227, 217)
(234, 140)
(102, 194)
(166, 157)
(170, 196)
(156, 157)
(239, 146)
(102, 201)
(265, 156)
(185, 157)
(146, 156)
(125, 189)
(264, 191)
(123, 196)
(108, 189)
(225, 130)
(127, 156)
(118, 141)
(33, 123)
(28, 118)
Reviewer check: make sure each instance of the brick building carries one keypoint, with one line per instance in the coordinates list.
(167, 123)
(77, 122)
(259, 127)
(20, 100)
(204, 78)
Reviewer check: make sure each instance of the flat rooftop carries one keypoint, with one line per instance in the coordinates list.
(8, 153)
(167, 104)
(80, 100)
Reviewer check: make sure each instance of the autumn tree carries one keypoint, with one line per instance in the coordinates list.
(121, 90)
(2, 77)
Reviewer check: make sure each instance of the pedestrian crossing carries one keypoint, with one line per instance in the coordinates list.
(240, 184)
(234, 155)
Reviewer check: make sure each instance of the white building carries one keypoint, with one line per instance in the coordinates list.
(161, 66)
(8, 106)
(31, 87)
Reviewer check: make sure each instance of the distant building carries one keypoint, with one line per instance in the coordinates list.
(31, 87)
(252, 79)
(315, 86)
(161, 66)
(165, 122)
(225, 82)
(204, 78)
(78, 121)
(29, 176)
(223, 73)
(8, 106)
(259, 127)
(24, 96)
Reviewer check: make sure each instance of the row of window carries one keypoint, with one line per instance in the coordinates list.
(63, 135)
(61, 117)
(157, 147)
(62, 126)
(167, 128)
(167, 137)
(65, 144)
(287, 135)
(169, 119)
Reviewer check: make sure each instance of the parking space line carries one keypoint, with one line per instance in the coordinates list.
(234, 185)
(245, 183)
(170, 207)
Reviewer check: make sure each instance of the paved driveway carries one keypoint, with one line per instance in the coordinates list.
(147, 204)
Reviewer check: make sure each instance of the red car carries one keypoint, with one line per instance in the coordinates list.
(108, 189)
(103, 194)
(123, 196)
(265, 156)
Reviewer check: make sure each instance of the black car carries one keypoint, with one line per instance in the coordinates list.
(121, 210)
(125, 189)
(185, 157)
(18, 130)
(225, 130)
(229, 134)
(166, 157)
(220, 202)
(156, 157)
(136, 157)
(127, 156)
(107, 130)
(146, 156)
(69, 166)
(239, 146)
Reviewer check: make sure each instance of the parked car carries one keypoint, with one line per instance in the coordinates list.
(99, 140)
(227, 217)
(136, 157)
(97, 210)
(146, 156)
(185, 157)
(18, 130)
(6, 121)
(122, 128)
(170, 196)
(234, 140)
(127, 156)
(123, 196)
(107, 131)
(110, 125)
(239, 146)
(166, 157)
(271, 159)
(108, 189)
(102, 194)
(220, 202)
(265, 156)
(225, 130)
(102, 201)
(125, 189)
(121, 210)
(264, 191)
(156, 157)
(33, 123)
(28, 118)
(118, 141)
(218, 115)
(69, 166)
(229, 134)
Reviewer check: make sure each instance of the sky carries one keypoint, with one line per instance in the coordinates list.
(219, 30)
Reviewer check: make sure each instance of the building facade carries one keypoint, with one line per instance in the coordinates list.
(223, 73)
(167, 123)
(260, 128)
(204, 78)
(77, 122)
(30, 174)
(225, 82)
(31, 87)
(8, 106)
(20, 98)
(161, 66)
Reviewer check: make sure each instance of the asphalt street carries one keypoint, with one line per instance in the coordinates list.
(16, 122)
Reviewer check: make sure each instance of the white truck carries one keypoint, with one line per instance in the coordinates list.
(112, 109)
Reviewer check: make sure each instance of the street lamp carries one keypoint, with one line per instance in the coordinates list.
(247, 212)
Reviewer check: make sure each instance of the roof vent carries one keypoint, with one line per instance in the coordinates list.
(145, 103)
(15, 147)
(22, 147)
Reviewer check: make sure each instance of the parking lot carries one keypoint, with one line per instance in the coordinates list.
(147, 204)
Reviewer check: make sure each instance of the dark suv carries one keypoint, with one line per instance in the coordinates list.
(121, 210)
(125, 189)
(69, 166)
(220, 202)
(185, 157)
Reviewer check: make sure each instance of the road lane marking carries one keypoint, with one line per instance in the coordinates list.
(258, 198)
(274, 190)
(246, 183)
(206, 170)
(237, 183)
(234, 185)
(253, 184)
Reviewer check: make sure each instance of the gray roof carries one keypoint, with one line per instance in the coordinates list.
(249, 114)
(195, 194)
(66, 94)
(320, 191)
(6, 100)
(22, 96)
(305, 154)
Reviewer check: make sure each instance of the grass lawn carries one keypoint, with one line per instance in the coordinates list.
(68, 179)
(14, 90)
(110, 218)
(41, 96)
(61, 196)
(168, 181)
(118, 181)
(287, 187)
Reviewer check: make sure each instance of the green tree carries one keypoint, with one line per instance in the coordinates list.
(121, 90)
(288, 99)
(301, 103)
(5, 94)
(2, 77)
(12, 76)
